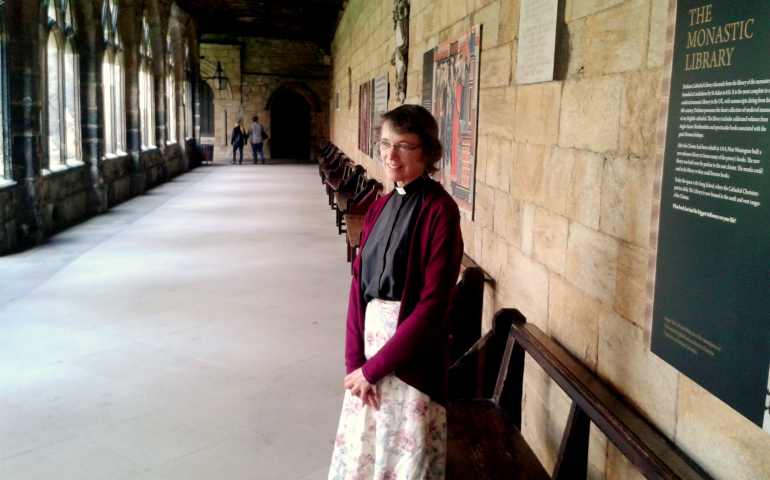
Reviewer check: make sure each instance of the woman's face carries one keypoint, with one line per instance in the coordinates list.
(401, 167)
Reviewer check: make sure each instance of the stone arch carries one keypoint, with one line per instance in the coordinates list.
(300, 88)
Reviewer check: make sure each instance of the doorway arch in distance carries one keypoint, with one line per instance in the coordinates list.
(294, 117)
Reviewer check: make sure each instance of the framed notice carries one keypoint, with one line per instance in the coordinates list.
(537, 41)
(455, 104)
(709, 312)
(365, 118)
(380, 99)
(427, 80)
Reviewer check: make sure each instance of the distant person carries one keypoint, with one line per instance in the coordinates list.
(238, 140)
(257, 135)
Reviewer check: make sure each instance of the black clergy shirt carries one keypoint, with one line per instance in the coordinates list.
(384, 257)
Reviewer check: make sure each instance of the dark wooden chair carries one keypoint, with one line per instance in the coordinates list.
(330, 163)
(347, 186)
(333, 178)
(484, 413)
(343, 200)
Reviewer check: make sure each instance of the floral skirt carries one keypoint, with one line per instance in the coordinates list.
(406, 438)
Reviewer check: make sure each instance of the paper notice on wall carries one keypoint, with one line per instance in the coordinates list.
(537, 41)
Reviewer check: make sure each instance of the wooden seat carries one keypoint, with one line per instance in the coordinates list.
(355, 225)
(496, 451)
(484, 413)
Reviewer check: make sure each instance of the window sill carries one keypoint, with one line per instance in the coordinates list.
(115, 156)
(61, 168)
(151, 148)
(4, 184)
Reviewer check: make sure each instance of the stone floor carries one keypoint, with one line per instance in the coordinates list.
(195, 332)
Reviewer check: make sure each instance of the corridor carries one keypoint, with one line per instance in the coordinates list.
(194, 332)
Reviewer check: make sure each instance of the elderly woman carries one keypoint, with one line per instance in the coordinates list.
(393, 423)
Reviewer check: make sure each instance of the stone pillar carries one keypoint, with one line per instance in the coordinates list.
(27, 99)
(91, 51)
(131, 28)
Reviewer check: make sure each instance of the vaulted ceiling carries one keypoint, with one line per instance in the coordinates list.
(310, 20)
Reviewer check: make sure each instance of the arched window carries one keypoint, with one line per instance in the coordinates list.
(206, 99)
(113, 82)
(63, 109)
(5, 158)
(170, 94)
(146, 89)
(187, 97)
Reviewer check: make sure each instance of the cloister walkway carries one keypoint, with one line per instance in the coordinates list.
(195, 332)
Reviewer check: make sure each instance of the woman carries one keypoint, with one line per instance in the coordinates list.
(238, 140)
(393, 423)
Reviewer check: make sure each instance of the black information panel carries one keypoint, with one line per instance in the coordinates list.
(712, 287)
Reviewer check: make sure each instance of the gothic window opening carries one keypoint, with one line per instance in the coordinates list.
(187, 95)
(207, 110)
(170, 94)
(62, 86)
(113, 83)
(146, 89)
(5, 158)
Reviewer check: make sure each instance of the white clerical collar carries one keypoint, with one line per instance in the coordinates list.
(401, 190)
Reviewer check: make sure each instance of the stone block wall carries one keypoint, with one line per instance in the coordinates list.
(562, 209)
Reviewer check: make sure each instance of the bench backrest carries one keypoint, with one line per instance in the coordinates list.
(464, 317)
(654, 455)
(361, 206)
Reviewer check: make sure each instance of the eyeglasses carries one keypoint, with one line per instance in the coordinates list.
(401, 148)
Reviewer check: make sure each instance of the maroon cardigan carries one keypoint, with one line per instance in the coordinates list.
(418, 352)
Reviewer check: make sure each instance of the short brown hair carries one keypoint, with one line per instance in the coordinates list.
(418, 120)
(254, 118)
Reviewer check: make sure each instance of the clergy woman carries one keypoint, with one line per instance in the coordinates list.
(393, 424)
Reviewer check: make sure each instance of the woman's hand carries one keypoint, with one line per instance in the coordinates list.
(360, 387)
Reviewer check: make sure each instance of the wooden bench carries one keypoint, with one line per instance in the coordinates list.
(355, 225)
(359, 204)
(350, 184)
(484, 413)
(466, 310)
(333, 178)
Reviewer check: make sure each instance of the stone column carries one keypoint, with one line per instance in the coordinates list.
(91, 51)
(27, 98)
(131, 28)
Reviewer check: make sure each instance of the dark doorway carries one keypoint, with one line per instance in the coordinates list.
(290, 126)
(207, 110)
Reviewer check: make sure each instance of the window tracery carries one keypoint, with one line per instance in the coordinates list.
(170, 93)
(113, 81)
(62, 86)
(146, 89)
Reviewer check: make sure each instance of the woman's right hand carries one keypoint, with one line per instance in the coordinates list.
(360, 387)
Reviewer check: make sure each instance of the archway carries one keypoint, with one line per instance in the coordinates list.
(290, 126)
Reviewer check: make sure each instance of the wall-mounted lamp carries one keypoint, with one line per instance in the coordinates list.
(219, 78)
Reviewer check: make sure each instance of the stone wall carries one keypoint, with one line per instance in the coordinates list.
(36, 201)
(563, 193)
(257, 69)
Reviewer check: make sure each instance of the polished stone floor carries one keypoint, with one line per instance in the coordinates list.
(195, 332)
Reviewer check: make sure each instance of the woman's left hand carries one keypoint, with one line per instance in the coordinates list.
(360, 387)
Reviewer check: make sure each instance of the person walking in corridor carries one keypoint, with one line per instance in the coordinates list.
(256, 136)
(393, 423)
(238, 140)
